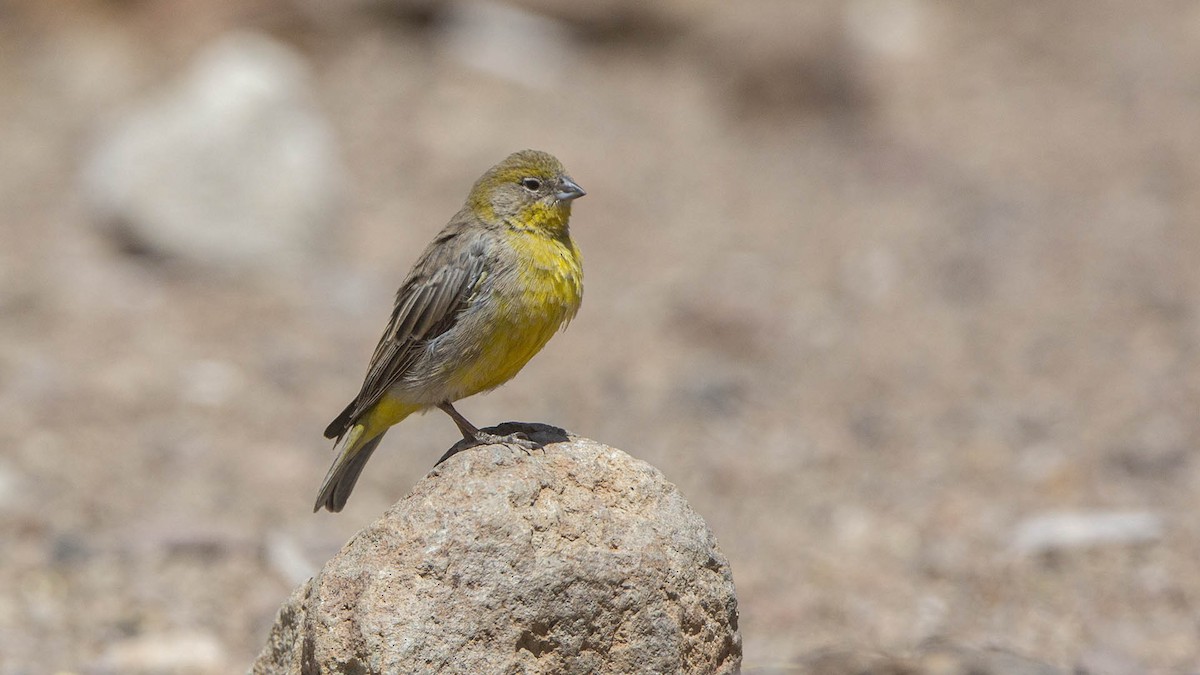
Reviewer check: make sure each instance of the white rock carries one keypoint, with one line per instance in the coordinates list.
(11, 483)
(287, 558)
(183, 652)
(1068, 530)
(509, 42)
(210, 383)
(892, 28)
(233, 165)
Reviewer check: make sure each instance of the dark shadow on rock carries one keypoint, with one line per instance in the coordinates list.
(542, 434)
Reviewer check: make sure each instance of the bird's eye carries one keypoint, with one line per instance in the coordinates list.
(531, 184)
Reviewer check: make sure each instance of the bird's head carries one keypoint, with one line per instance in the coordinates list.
(528, 190)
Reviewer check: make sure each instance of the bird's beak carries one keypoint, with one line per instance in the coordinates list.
(568, 190)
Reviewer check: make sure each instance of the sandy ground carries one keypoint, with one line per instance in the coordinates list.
(873, 282)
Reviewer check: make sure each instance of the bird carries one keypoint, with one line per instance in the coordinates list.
(491, 289)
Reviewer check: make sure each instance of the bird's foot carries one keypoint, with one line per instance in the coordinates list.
(518, 439)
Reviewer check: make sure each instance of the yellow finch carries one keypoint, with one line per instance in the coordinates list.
(496, 283)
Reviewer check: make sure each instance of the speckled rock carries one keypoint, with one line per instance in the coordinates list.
(572, 559)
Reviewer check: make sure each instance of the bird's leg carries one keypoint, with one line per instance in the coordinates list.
(472, 433)
(469, 431)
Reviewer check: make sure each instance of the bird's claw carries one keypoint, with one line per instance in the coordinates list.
(519, 439)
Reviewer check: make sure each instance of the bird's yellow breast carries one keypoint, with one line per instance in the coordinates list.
(540, 296)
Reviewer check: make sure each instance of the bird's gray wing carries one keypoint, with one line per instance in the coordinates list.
(427, 305)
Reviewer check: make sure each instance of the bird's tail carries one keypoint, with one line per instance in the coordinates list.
(353, 450)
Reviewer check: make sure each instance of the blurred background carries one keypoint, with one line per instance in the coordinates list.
(902, 294)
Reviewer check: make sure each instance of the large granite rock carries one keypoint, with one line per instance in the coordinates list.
(572, 559)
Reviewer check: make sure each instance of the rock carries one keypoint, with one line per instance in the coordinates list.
(783, 56)
(184, 652)
(210, 383)
(627, 21)
(11, 482)
(284, 651)
(1058, 531)
(287, 558)
(935, 657)
(572, 559)
(939, 657)
(509, 42)
(231, 166)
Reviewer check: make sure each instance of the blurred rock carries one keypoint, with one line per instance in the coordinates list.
(782, 56)
(1058, 531)
(210, 383)
(575, 559)
(165, 653)
(1107, 660)
(411, 12)
(287, 558)
(10, 485)
(936, 657)
(618, 20)
(944, 658)
(892, 29)
(623, 21)
(231, 166)
(509, 42)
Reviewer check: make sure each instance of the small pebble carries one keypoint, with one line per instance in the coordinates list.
(1072, 530)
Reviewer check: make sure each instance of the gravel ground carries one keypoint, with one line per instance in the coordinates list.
(882, 285)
